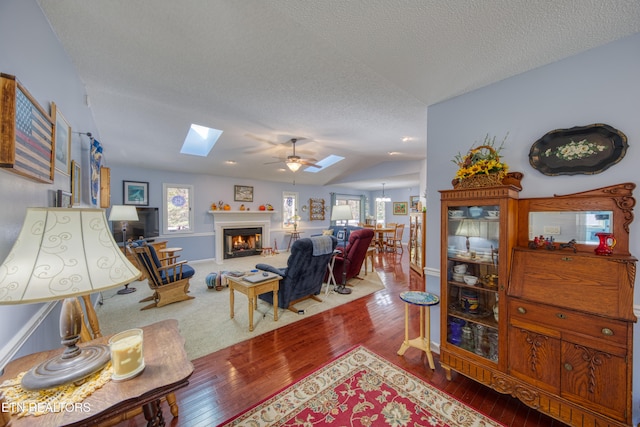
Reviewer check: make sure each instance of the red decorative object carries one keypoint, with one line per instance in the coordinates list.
(607, 242)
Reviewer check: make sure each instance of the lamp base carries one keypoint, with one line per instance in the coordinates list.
(342, 289)
(59, 370)
(126, 290)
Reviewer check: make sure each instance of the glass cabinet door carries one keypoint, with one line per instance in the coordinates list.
(473, 239)
(417, 241)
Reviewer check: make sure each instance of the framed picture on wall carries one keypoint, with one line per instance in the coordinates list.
(24, 121)
(64, 199)
(62, 141)
(76, 182)
(400, 208)
(135, 193)
(413, 202)
(242, 193)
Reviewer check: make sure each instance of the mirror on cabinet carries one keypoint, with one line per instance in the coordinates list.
(579, 216)
(564, 226)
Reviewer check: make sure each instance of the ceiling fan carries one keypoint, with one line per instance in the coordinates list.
(273, 144)
(293, 161)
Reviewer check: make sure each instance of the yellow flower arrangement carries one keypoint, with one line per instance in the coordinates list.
(481, 160)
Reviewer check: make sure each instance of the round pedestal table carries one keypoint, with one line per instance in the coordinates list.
(424, 300)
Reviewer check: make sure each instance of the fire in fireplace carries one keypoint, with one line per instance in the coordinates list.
(239, 242)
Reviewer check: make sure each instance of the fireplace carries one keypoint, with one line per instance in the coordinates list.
(235, 220)
(240, 242)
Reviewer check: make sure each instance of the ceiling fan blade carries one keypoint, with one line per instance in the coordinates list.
(257, 138)
(279, 160)
(306, 162)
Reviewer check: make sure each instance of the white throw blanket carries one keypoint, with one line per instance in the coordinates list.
(322, 245)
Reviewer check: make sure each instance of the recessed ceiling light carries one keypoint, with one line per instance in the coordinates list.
(200, 140)
(393, 153)
(406, 139)
(230, 162)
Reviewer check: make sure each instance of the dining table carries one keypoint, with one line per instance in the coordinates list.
(381, 234)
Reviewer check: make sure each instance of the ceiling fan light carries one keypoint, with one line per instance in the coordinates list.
(294, 166)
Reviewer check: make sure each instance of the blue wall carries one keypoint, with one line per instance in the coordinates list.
(597, 86)
(31, 52)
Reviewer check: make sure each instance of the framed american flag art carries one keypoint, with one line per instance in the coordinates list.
(26, 136)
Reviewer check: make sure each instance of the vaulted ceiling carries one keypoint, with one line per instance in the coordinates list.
(352, 77)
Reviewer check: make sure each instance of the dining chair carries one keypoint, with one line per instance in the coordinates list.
(394, 242)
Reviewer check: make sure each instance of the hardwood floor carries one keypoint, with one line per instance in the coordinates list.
(233, 379)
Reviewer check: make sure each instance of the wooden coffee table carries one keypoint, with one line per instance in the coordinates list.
(252, 290)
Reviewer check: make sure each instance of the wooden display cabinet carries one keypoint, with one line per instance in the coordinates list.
(478, 232)
(417, 239)
(565, 314)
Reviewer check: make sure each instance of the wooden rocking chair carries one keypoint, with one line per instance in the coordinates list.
(169, 283)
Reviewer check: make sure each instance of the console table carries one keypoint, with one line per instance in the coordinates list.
(167, 370)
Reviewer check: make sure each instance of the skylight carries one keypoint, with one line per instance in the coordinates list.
(200, 140)
(324, 163)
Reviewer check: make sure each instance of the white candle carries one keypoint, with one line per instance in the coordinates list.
(126, 353)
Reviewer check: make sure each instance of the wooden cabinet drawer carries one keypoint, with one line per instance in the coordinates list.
(568, 322)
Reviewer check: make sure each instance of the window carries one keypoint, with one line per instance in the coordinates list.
(177, 212)
(355, 203)
(289, 209)
(381, 208)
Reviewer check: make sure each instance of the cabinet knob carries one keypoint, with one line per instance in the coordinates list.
(568, 367)
(561, 316)
(522, 310)
(566, 258)
(608, 332)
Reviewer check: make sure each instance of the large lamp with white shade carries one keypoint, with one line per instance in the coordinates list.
(124, 214)
(343, 213)
(61, 254)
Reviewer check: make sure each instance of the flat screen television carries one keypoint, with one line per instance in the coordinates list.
(147, 225)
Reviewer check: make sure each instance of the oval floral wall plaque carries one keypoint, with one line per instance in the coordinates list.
(579, 150)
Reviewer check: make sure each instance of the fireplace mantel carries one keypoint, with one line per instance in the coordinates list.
(228, 213)
(239, 219)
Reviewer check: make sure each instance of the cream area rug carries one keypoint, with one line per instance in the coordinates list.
(205, 321)
(361, 388)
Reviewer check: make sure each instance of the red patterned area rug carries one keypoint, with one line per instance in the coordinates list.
(360, 388)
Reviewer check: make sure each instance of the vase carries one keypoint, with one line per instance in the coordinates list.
(607, 242)
(469, 301)
(455, 330)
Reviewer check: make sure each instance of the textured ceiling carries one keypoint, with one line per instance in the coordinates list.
(354, 77)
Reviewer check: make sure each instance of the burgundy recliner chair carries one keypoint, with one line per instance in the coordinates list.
(353, 255)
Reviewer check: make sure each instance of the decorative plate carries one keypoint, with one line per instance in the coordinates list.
(579, 150)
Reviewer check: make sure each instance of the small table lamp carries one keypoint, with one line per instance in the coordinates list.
(468, 228)
(343, 213)
(63, 253)
(124, 214)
